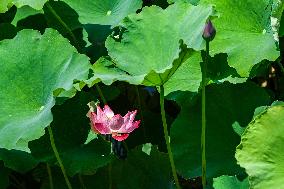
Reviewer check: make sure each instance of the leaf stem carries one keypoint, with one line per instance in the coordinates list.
(203, 130)
(58, 157)
(101, 93)
(109, 166)
(49, 176)
(16, 182)
(81, 181)
(69, 31)
(140, 112)
(281, 66)
(163, 114)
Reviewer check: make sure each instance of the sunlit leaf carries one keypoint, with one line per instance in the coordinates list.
(6, 4)
(154, 51)
(107, 12)
(244, 33)
(24, 12)
(226, 182)
(261, 149)
(32, 67)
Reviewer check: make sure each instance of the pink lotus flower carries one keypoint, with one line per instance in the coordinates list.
(105, 122)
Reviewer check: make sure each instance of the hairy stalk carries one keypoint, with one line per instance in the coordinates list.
(203, 131)
(101, 94)
(166, 134)
(58, 157)
(49, 176)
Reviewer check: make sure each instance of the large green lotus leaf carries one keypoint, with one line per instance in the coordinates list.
(107, 12)
(219, 70)
(151, 42)
(61, 20)
(70, 127)
(66, 22)
(95, 36)
(104, 70)
(18, 160)
(244, 33)
(6, 4)
(262, 147)
(88, 158)
(225, 104)
(194, 2)
(35, 22)
(146, 171)
(155, 79)
(32, 67)
(187, 77)
(138, 171)
(24, 12)
(230, 182)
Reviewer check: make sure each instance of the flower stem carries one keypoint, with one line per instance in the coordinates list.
(163, 114)
(58, 157)
(203, 131)
(49, 176)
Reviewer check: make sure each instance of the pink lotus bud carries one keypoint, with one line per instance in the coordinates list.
(105, 122)
(209, 31)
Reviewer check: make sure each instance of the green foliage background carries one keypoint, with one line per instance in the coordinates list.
(54, 55)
